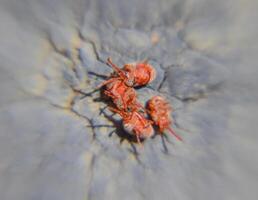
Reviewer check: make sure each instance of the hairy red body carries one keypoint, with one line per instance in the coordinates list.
(121, 95)
(136, 124)
(160, 113)
(119, 87)
(142, 73)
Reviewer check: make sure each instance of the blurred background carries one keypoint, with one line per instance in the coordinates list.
(56, 144)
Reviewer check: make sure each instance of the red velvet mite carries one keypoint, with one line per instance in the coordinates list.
(160, 113)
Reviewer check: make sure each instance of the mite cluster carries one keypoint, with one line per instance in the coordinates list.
(120, 88)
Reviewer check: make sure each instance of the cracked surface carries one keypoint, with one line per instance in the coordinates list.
(58, 140)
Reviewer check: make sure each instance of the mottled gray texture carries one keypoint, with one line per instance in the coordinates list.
(57, 143)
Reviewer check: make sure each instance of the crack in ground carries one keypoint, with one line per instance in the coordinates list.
(94, 47)
(163, 81)
(90, 122)
(72, 55)
(200, 95)
(76, 64)
(69, 108)
(63, 52)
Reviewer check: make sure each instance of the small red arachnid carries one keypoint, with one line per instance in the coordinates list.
(160, 113)
(118, 88)
(132, 75)
(118, 75)
(122, 96)
(135, 123)
(142, 73)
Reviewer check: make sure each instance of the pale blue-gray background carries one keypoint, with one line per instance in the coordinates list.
(205, 51)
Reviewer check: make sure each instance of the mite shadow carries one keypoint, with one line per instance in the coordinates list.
(164, 139)
(117, 126)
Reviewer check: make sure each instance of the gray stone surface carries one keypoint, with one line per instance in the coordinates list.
(58, 143)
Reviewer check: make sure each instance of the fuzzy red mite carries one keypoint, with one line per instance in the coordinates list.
(160, 113)
(135, 123)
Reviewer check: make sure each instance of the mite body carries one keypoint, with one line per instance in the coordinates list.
(132, 75)
(141, 73)
(121, 95)
(119, 87)
(160, 113)
(135, 123)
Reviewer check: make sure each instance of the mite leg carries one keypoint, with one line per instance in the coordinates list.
(115, 110)
(173, 133)
(109, 94)
(106, 82)
(142, 119)
(137, 134)
(145, 61)
(116, 68)
(138, 139)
